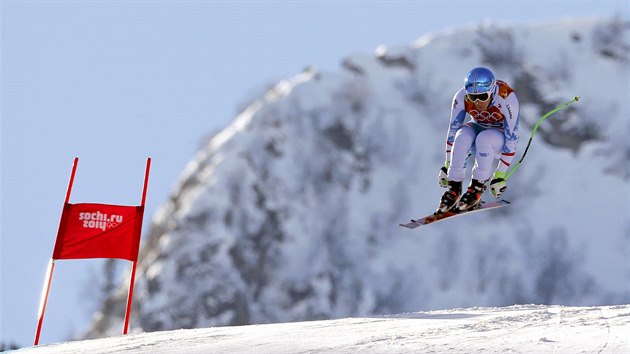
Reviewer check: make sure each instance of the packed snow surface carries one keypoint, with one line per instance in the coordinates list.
(514, 329)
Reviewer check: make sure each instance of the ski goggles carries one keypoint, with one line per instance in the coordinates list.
(483, 97)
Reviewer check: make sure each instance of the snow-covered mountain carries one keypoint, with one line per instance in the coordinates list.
(291, 212)
(514, 329)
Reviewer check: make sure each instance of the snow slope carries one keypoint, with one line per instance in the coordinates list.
(514, 329)
(291, 213)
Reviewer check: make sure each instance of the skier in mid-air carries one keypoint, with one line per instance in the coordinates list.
(491, 133)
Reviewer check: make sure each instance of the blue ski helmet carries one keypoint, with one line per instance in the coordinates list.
(480, 80)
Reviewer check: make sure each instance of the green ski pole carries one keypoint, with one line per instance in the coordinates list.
(561, 107)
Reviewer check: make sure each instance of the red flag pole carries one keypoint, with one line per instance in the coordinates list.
(74, 170)
(51, 264)
(130, 298)
(44, 299)
(146, 181)
(133, 267)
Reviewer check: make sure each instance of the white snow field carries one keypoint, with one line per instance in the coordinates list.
(514, 329)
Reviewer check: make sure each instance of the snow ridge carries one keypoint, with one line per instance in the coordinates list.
(514, 329)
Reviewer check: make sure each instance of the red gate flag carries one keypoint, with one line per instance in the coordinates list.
(90, 230)
(99, 231)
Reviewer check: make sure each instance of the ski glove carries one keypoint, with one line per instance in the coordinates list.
(498, 185)
(443, 175)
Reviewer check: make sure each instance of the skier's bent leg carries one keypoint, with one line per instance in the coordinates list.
(464, 139)
(489, 144)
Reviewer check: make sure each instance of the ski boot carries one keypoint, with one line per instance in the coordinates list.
(471, 200)
(450, 197)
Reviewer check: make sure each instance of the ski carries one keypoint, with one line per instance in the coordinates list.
(429, 219)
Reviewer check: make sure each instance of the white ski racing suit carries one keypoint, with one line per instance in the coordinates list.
(492, 134)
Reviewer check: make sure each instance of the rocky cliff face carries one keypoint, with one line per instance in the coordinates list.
(291, 212)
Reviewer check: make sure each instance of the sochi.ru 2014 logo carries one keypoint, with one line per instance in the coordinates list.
(99, 220)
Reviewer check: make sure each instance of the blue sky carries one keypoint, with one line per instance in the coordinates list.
(115, 82)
